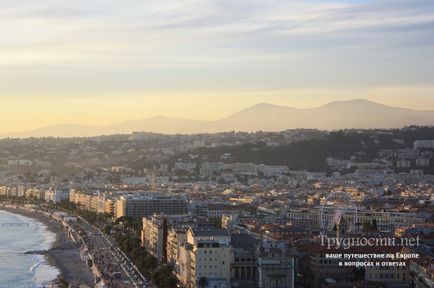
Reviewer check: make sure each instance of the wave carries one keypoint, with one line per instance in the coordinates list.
(42, 273)
(32, 269)
(25, 270)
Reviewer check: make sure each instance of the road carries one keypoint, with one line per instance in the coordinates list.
(110, 259)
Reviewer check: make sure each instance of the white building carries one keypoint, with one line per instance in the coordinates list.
(56, 196)
(427, 144)
(206, 255)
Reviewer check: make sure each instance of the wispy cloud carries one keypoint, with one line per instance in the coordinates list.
(262, 43)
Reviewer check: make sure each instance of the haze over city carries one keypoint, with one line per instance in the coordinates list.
(109, 61)
(217, 143)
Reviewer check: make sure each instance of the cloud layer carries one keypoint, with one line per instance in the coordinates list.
(191, 44)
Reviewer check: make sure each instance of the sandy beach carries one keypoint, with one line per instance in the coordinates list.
(64, 253)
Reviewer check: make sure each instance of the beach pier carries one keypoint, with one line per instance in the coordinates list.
(14, 224)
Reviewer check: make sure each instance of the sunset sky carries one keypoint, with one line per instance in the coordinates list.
(105, 61)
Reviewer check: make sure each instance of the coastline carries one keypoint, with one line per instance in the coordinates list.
(63, 254)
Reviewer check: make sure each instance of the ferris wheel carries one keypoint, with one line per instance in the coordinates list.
(337, 206)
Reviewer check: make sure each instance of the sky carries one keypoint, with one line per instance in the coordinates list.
(106, 61)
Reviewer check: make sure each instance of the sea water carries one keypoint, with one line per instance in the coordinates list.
(18, 270)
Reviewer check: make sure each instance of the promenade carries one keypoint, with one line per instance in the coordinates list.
(85, 256)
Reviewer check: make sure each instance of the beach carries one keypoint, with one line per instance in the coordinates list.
(64, 254)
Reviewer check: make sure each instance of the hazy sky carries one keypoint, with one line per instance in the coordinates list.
(104, 61)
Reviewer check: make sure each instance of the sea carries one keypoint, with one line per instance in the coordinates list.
(18, 270)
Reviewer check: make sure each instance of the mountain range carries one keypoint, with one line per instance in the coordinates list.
(357, 113)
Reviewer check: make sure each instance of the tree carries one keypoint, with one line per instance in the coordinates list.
(130, 243)
(151, 262)
(164, 278)
(125, 220)
(202, 282)
(107, 229)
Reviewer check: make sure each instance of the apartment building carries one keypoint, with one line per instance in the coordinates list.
(206, 254)
(56, 195)
(243, 261)
(92, 202)
(385, 219)
(276, 265)
(154, 236)
(162, 234)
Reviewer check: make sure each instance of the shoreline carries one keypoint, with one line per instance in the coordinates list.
(63, 253)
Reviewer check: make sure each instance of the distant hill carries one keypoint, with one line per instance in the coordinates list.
(335, 115)
(158, 124)
(357, 113)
